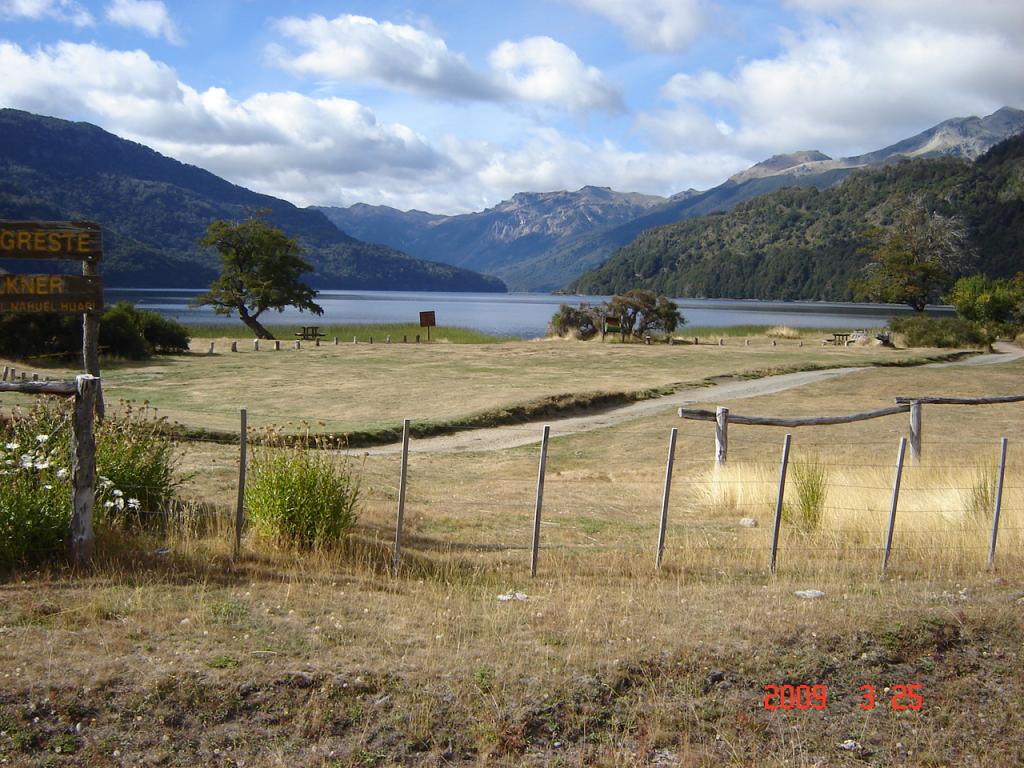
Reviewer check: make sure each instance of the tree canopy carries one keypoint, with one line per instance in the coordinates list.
(260, 270)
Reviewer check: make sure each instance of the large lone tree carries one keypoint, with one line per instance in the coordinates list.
(260, 270)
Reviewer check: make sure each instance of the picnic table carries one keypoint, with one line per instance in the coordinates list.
(838, 339)
(310, 333)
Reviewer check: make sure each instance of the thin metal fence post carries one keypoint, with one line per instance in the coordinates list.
(895, 502)
(535, 549)
(243, 460)
(999, 503)
(777, 524)
(665, 496)
(396, 556)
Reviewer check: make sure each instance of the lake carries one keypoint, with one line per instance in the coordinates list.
(523, 315)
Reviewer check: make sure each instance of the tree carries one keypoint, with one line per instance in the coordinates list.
(915, 259)
(642, 311)
(260, 269)
(996, 304)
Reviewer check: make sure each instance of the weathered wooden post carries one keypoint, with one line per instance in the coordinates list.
(298, 345)
(211, 348)
(255, 345)
(243, 458)
(396, 556)
(895, 502)
(234, 346)
(83, 468)
(6, 371)
(355, 340)
(721, 435)
(665, 496)
(535, 548)
(915, 431)
(371, 339)
(777, 524)
(998, 503)
(277, 345)
(335, 341)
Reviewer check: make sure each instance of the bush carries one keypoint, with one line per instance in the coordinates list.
(125, 331)
(35, 491)
(298, 497)
(134, 463)
(810, 483)
(583, 321)
(923, 331)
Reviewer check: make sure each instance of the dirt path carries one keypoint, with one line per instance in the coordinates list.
(500, 438)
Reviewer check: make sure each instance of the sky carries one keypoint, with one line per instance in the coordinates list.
(452, 106)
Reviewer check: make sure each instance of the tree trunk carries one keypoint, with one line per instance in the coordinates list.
(254, 325)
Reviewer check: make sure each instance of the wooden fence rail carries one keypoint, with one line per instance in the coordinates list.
(962, 400)
(768, 421)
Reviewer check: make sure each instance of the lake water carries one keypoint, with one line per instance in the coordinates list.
(523, 315)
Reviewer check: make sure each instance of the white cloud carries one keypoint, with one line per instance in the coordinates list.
(542, 69)
(847, 87)
(151, 16)
(658, 25)
(61, 10)
(404, 57)
(394, 55)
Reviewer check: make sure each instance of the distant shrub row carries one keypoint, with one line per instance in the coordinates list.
(125, 331)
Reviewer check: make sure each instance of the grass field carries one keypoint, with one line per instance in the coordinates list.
(280, 658)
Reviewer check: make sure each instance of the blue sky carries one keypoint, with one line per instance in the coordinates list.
(453, 106)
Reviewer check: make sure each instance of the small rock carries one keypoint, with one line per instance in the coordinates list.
(714, 678)
(513, 596)
(809, 594)
(748, 522)
(850, 745)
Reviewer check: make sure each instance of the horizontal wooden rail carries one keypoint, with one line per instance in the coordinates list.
(66, 388)
(962, 400)
(702, 415)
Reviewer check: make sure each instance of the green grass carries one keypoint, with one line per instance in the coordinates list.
(379, 332)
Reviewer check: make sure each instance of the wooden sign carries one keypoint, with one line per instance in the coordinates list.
(428, 319)
(64, 294)
(77, 240)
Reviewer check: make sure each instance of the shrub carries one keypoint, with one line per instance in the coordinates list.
(923, 331)
(298, 497)
(810, 484)
(121, 336)
(782, 332)
(136, 462)
(583, 321)
(35, 492)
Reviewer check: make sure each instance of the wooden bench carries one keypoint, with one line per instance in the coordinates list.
(309, 333)
(837, 340)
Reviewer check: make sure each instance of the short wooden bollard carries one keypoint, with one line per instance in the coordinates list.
(388, 340)
(371, 339)
(396, 555)
(895, 502)
(998, 503)
(777, 524)
(6, 371)
(800, 344)
(665, 496)
(535, 548)
(298, 345)
(211, 348)
(277, 345)
(774, 344)
(335, 341)
(721, 342)
(417, 338)
(405, 339)
(35, 377)
(255, 345)
(721, 435)
(243, 446)
(915, 431)
(355, 340)
(746, 342)
(317, 342)
(696, 341)
(234, 346)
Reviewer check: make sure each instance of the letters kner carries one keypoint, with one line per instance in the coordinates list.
(33, 285)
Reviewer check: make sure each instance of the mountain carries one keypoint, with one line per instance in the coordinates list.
(510, 240)
(154, 210)
(806, 243)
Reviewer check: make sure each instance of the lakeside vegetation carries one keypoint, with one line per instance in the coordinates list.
(285, 332)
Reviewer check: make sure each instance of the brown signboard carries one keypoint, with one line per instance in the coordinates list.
(66, 294)
(78, 240)
(428, 320)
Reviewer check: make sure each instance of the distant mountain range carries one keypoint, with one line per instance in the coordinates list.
(154, 210)
(544, 241)
(806, 243)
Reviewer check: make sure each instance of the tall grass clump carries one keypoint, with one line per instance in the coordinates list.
(782, 332)
(810, 487)
(299, 497)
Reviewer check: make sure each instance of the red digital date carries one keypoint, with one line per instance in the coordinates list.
(904, 697)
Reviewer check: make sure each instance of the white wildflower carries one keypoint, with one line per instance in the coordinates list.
(47, 487)
(42, 438)
(11, 446)
(108, 505)
(62, 473)
(134, 504)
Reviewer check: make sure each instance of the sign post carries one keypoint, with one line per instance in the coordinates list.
(428, 320)
(64, 294)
